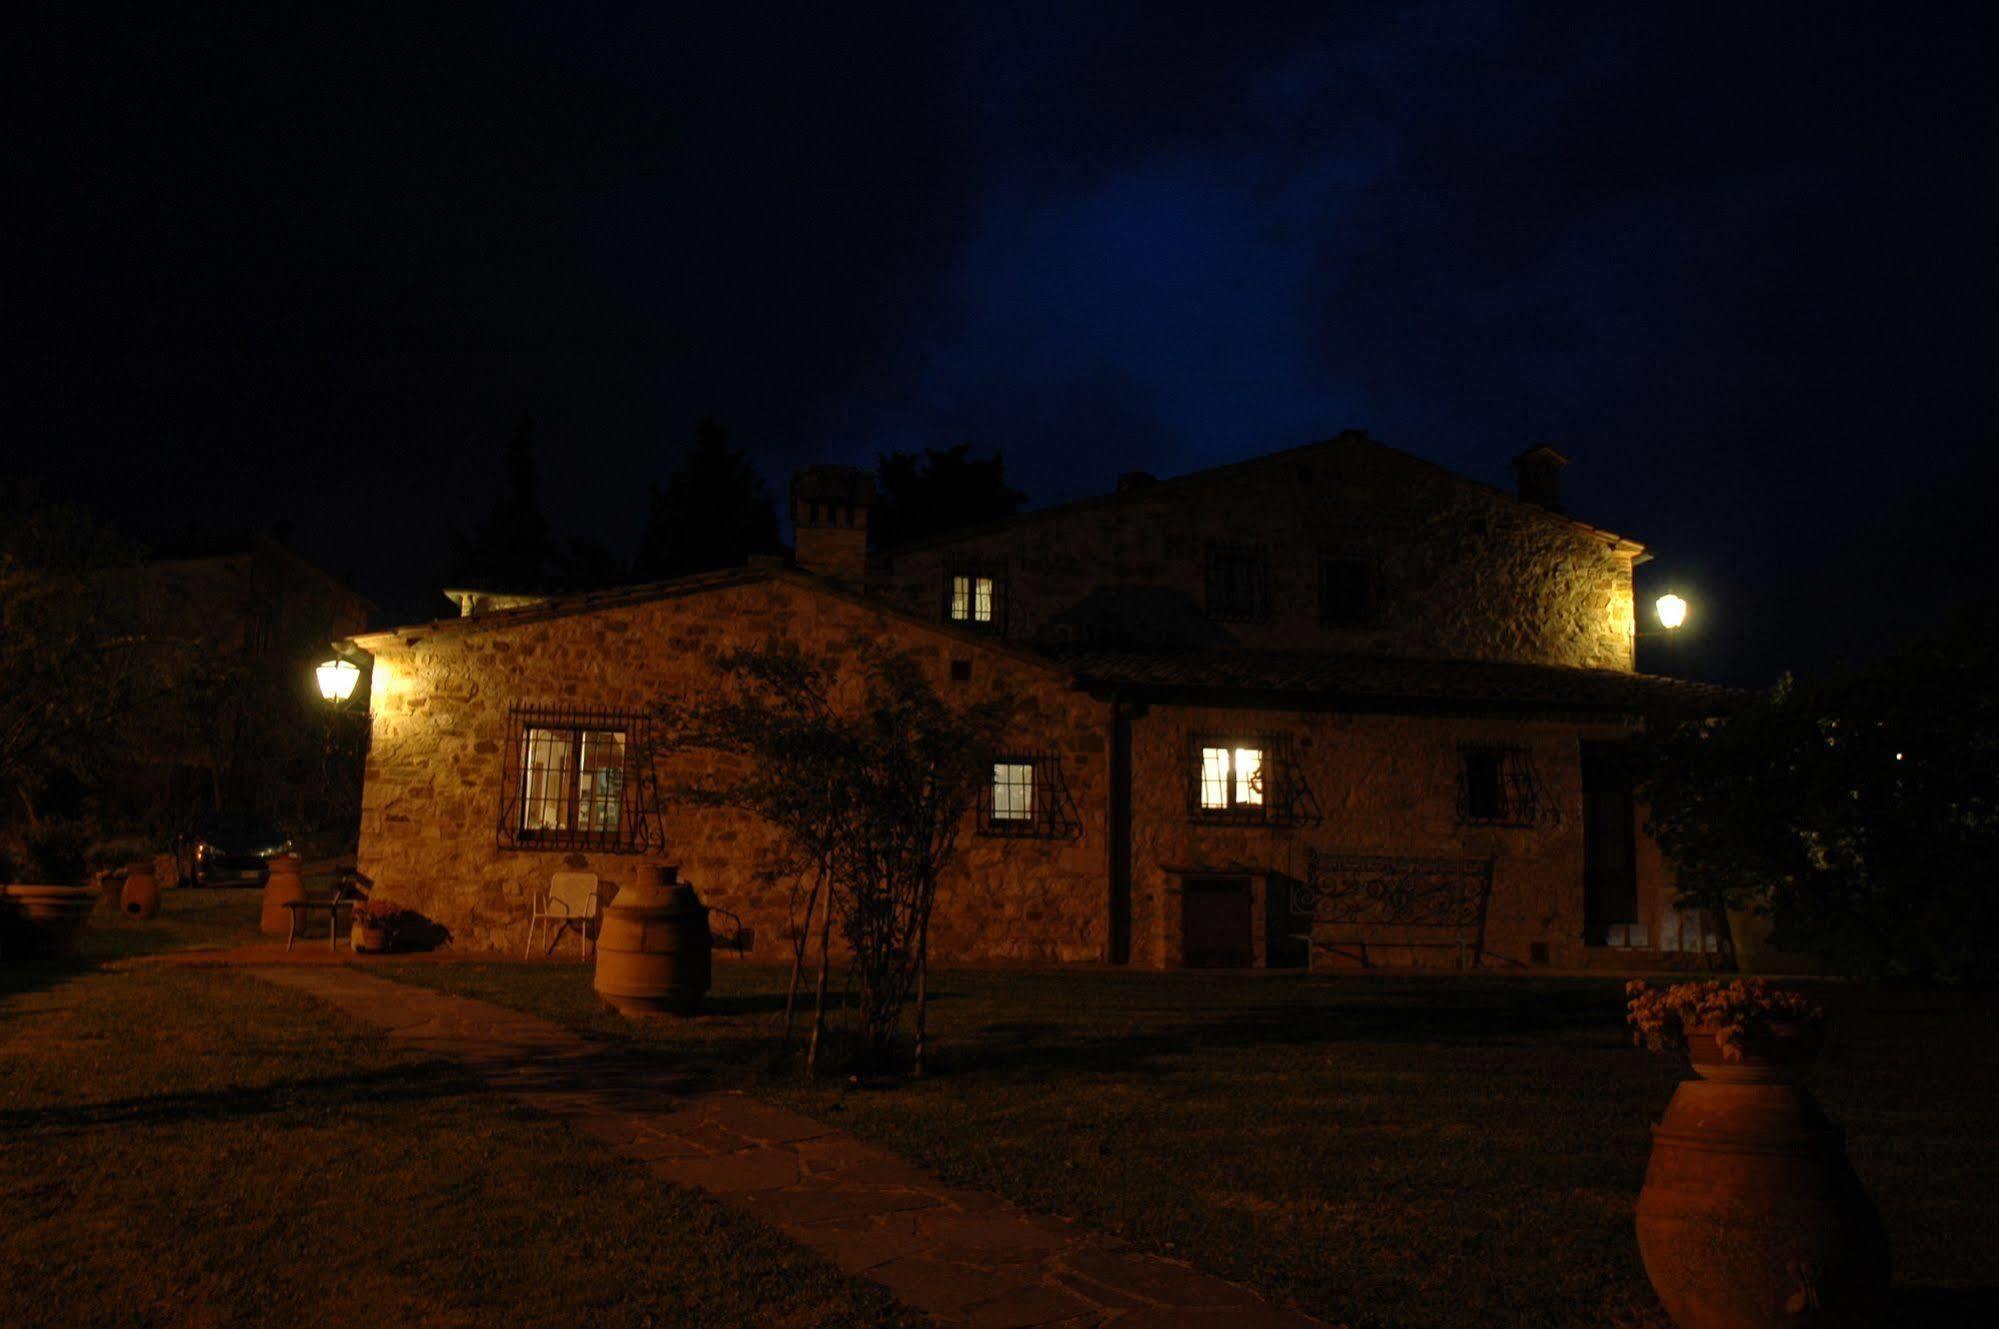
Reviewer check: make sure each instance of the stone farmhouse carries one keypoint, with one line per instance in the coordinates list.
(1335, 705)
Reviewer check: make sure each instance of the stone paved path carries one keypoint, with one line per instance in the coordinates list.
(961, 1256)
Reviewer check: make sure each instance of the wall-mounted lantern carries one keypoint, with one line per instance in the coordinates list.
(337, 680)
(1672, 611)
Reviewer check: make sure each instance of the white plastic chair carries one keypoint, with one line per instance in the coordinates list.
(570, 901)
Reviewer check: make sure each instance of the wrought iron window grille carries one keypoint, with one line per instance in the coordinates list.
(1027, 798)
(1238, 582)
(1498, 786)
(578, 778)
(975, 596)
(1279, 794)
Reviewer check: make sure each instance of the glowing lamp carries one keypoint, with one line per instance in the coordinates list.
(1672, 610)
(337, 679)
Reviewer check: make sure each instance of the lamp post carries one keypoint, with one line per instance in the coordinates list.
(346, 742)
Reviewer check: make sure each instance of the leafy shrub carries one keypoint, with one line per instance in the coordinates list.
(59, 853)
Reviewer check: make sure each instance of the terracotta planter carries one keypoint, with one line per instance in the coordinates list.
(655, 954)
(47, 920)
(1751, 1216)
(141, 895)
(371, 938)
(283, 887)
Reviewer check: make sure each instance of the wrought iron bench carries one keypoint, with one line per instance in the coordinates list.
(1442, 901)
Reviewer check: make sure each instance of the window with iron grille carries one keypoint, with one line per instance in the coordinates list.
(1497, 786)
(1247, 779)
(1027, 798)
(578, 779)
(1238, 582)
(975, 596)
(1349, 591)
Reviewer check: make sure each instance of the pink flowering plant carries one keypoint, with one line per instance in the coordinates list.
(1737, 1014)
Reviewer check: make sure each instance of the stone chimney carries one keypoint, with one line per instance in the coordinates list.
(829, 513)
(1539, 472)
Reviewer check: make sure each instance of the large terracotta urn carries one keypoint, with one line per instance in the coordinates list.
(655, 954)
(1751, 1216)
(45, 920)
(284, 886)
(140, 897)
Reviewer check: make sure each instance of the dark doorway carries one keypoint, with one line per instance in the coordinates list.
(1215, 923)
(1610, 842)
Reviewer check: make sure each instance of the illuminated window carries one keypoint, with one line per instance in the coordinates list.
(1013, 791)
(1231, 777)
(572, 781)
(575, 780)
(1027, 798)
(975, 597)
(1250, 779)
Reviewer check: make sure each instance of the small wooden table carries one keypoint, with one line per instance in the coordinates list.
(304, 909)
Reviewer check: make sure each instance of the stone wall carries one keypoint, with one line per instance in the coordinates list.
(1466, 571)
(440, 726)
(1385, 785)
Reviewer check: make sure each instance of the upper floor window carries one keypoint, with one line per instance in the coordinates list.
(1027, 798)
(1239, 582)
(975, 596)
(575, 779)
(1247, 778)
(1349, 591)
(1496, 786)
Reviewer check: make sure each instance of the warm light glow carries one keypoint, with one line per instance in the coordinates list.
(337, 679)
(1672, 610)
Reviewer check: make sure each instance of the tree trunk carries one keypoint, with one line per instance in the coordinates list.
(798, 949)
(922, 978)
(819, 1006)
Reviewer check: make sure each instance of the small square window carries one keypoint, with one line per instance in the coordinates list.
(1238, 582)
(1497, 786)
(1027, 799)
(1013, 791)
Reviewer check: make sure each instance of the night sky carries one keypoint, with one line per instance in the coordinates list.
(310, 264)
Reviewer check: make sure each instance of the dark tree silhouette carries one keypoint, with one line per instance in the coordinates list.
(713, 512)
(511, 549)
(939, 491)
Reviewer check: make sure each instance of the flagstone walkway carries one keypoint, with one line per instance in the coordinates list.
(961, 1256)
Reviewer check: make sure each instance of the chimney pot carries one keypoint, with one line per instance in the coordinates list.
(829, 515)
(1539, 474)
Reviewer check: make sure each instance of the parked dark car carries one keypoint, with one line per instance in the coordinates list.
(231, 849)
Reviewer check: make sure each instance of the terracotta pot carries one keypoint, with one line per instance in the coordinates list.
(48, 920)
(1782, 1055)
(370, 938)
(655, 953)
(141, 895)
(1751, 1216)
(283, 886)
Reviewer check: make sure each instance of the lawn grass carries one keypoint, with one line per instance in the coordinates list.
(190, 918)
(1381, 1151)
(194, 1147)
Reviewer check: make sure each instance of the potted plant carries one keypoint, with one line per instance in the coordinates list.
(50, 909)
(376, 923)
(1751, 1216)
(1744, 1032)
